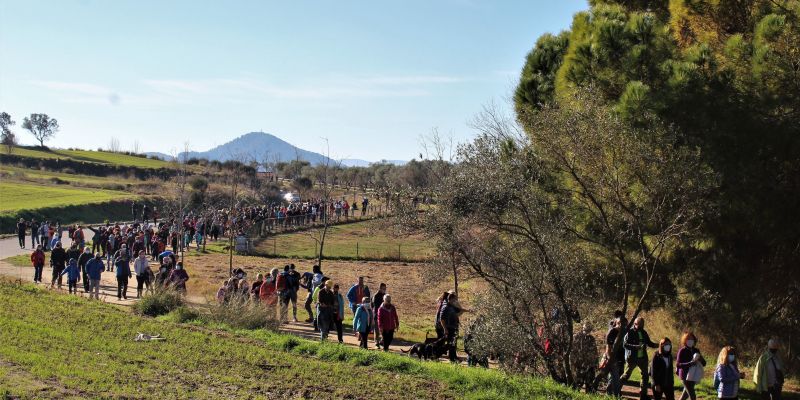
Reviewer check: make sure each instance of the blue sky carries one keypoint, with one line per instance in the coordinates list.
(370, 76)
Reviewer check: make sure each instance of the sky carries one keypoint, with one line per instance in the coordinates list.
(371, 77)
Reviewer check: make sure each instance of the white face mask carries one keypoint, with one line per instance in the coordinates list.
(731, 357)
(667, 347)
(690, 343)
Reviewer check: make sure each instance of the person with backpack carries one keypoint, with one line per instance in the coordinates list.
(727, 376)
(362, 322)
(306, 282)
(73, 275)
(94, 269)
(256, 287)
(356, 293)
(388, 321)
(37, 260)
(58, 260)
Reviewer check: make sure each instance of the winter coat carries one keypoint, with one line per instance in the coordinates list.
(362, 321)
(684, 361)
(726, 381)
(356, 294)
(37, 258)
(760, 377)
(387, 318)
(95, 268)
(661, 372)
(72, 271)
(632, 343)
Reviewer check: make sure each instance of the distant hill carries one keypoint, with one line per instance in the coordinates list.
(261, 146)
(258, 146)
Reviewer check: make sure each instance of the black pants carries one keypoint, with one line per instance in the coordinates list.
(85, 278)
(363, 342)
(774, 393)
(668, 392)
(387, 339)
(122, 287)
(451, 346)
(141, 282)
(338, 323)
(37, 273)
(308, 307)
(72, 285)
(642, 364)
(21, 240)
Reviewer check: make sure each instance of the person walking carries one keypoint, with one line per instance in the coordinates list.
(94, 269)
(356, 293)
(362, 322)
(613, 358)
(306, 282)
(450, 321)
(141, 267)
(768, 373)
(123, 273)
(178, 278)
(388, 321)
(58, 260)
(294, 287)
(727, 376)
(377, 301)
(82, 260)
(583, 358)
(21, 227)
(688, 362)
(325, 311)
(37, 260)
(73, 276)
(338, 312)
(34, 232)
(661, 371)
(636, 343)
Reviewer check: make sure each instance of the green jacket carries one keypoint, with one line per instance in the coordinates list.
(760, 371)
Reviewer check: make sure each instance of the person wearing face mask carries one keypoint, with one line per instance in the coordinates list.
(177, 278)
(661, 371)
(362, 322)
(688, 356)
(769, 373)
(727, 375)
(636, 343)
(94, 269)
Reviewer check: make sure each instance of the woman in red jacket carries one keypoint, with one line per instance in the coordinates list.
(388, 322)
(37, 259)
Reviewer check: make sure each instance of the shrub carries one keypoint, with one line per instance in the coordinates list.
(158, 303)
(243, 316)
(184, 314)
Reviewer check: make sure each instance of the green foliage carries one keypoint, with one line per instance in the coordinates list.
(724, 75)
(159, 302)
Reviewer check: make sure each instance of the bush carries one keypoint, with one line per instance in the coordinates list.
(183, 314)
(243, 316)
(158, 303)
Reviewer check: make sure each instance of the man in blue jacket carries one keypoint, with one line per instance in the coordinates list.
(94, 269)
(123, 274)
(356, 293)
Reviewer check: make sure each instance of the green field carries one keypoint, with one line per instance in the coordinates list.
(16, 196)
(59, 346)
(360, 240)
(36, 175)
(101, 157)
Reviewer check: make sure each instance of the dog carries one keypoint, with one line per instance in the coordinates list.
(436, 349)
(421, 350)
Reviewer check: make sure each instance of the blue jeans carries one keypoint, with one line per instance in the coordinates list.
(614, 387)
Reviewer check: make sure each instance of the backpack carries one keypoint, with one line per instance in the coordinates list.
(281, 282)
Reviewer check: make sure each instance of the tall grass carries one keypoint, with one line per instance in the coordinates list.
(158, 303)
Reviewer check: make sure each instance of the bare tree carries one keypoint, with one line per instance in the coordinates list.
(135, 147)
(113, 145)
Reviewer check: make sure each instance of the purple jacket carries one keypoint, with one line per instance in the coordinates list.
(683, 361)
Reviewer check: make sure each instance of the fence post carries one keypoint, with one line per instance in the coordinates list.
(398, 251)
(356, 250)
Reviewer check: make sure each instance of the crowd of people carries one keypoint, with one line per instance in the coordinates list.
(687, 364)
(115, 247)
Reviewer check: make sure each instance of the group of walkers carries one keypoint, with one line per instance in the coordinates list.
(688, 364)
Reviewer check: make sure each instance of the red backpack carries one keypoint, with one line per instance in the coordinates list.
(280, 282)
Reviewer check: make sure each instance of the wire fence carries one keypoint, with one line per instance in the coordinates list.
(336, 248)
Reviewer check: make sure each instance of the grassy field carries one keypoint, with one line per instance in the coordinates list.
(101, 157)
(367, 240)
(15, 196)
(58, 346)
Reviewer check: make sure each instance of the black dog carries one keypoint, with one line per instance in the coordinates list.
(421, 350)
(436, 349)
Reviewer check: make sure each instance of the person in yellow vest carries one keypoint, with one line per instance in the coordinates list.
(769, 373)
